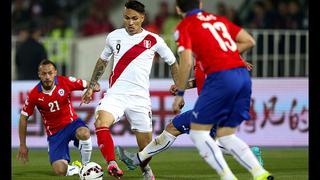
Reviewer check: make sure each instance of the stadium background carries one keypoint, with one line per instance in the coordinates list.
(280, 102)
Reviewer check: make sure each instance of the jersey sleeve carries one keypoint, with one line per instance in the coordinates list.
(164, 51)
(74, 84)
(182, 38)
(107, 51)
(28, 106)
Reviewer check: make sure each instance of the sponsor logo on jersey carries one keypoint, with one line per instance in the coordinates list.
(41, 99)
(147, 43)
(61, 92)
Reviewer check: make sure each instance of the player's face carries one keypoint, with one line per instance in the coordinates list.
(132, 21)
(46, 74)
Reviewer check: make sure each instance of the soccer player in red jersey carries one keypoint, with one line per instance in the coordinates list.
(52, 96)
(224, 100)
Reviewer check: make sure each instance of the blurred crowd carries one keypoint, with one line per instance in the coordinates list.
(55, 20)
(50, 14)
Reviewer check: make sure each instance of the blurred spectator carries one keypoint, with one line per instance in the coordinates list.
(20, 15)
(149, 26)
(281, 15)
(98, 22)
(162, 14)
(233, 16)
(295, 15)
(29, 54)
(58, 43)
(256, 17)
(221, 9)
(270, 14)
(168, 30)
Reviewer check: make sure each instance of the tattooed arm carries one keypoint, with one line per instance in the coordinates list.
(96, 75)
(174, 68)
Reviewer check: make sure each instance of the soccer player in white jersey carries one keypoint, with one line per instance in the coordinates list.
(133, 50)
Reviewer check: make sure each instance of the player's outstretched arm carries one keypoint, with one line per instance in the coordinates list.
(96, 75)
(23, 149)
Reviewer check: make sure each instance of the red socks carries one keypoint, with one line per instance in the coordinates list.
(105, 143)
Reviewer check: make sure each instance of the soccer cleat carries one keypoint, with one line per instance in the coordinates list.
(257, 152)
(264, 176)
(114, 170)
(148, 174)
(77, 163)
(126, 157)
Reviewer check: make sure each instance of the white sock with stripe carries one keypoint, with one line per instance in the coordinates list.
(85, 147)
(242, 153)
(157, 145)
(211, 153)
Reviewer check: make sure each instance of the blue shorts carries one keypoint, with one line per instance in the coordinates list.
(182, 123)
(225, 99)
(59, 142)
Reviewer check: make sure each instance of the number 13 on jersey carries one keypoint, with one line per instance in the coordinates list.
(227, 42)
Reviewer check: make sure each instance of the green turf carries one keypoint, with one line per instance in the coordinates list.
(178, 163)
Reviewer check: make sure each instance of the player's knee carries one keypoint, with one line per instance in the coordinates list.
(172, 130)
(83, 133)
(103, 119)
(60, 169)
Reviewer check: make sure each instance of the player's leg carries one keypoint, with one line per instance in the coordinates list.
(109, 110)
(179, 125)
(58, 151)
(209, 110)
(85, 144)
(103, 122)
(255, 149)
(143, 139)
(139, 116)
(157, 145)
(226, 132)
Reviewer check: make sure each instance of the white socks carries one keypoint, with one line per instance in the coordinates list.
(157, 145)
(242, 153)
(223, 150)
(72, 170)
(211, 153)
(85, 148)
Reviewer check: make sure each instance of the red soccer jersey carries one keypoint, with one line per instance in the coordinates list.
(200, 77)
(55, 107)
(211, 39)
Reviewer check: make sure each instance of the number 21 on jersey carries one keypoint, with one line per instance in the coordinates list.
(224, 44)
(54, 106)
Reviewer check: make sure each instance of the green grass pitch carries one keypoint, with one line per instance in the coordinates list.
(175, 163)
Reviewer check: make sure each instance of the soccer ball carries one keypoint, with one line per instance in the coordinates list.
(91, 171)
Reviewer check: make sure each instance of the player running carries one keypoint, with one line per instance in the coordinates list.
(51, 96)
(224, 101)
(179, 125)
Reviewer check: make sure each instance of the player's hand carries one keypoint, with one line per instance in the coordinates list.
(23, 154)
(248, 65)
(173, 89)
(178, 103)
(87, 96)
(96, 87)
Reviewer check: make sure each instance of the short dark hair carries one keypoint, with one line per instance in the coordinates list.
(187, 5)
(46, 62)
(135, 5)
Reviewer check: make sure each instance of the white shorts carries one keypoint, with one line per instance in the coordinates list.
(137, 109)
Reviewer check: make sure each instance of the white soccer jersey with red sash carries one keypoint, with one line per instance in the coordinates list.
(133, 59)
